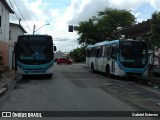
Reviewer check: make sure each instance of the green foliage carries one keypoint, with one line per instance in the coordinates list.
(155, 29)
(87, 31)
(147, 39)
(78, 54)
(104, 26)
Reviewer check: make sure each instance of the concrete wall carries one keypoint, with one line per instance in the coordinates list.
(15, 31)
(4, 33)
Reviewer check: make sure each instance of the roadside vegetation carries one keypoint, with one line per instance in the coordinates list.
(79, 54)
(104, 25)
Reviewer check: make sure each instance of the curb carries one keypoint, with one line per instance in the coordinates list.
(151, 81)
(4, 81)
(3, 88)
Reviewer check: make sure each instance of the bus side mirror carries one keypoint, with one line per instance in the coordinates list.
(55, 49)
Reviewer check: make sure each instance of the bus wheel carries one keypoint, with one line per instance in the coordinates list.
(108, 74)
(92, 68)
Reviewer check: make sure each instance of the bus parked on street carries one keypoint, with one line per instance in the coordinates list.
(118, 57)
(34, 55)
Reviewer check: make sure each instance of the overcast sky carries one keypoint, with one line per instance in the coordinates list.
(61, 13)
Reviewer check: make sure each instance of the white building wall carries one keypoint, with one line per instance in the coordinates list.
(15, 31)
(4, 33)
(4, 29)
(6, 25)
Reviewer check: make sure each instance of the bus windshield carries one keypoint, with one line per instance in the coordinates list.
(133, 54)
(30, 50)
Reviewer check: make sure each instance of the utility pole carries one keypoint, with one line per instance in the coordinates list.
(34, 27)
(19, 21)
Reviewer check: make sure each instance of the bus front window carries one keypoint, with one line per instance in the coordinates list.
(126, 54)
(31, 52)
(133, 54)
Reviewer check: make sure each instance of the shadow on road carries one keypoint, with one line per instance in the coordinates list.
(29, 78)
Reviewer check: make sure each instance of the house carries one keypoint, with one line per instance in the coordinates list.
(4, 30)
(14, 31)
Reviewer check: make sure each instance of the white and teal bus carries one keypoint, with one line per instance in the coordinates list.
(118, 57)
(34, 55)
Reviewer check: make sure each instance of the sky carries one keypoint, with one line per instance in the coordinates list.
(62, 13)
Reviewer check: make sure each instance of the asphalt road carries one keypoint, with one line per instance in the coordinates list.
(72, 88)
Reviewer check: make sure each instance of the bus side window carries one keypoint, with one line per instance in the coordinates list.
(92, 53)
(98, 52)
(114, 52)
(108, 52)
(88, 53)
(103, 51)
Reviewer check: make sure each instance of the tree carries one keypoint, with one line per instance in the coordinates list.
(155, 29)
(104, 26)
(87, 32)
(78, 54)
(111, 19)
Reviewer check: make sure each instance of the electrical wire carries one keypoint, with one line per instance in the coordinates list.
(22, 15)
(25, 9)
(13, 10)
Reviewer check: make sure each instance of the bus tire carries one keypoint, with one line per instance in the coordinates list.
(108, 74)
(92, 68)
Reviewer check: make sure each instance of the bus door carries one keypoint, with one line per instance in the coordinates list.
(98, 51)
(99, 58)
(114, 58)
(102, 59)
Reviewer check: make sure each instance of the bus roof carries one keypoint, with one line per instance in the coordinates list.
(109, 42)
(35, 38)
(33, 35)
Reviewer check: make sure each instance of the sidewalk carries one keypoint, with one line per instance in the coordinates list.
(7, 76)
(153, 79)
(156, 71)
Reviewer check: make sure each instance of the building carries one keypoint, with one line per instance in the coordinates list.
(60, 54)
(5, 10)
(14, 31)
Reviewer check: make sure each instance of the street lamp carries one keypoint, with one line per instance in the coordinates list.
(34, 27)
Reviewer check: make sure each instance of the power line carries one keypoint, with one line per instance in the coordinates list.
(13, 9)
(25, 9)
(65, 40)
(22, 15)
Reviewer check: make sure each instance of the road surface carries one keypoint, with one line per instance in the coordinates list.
(72, 88)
